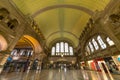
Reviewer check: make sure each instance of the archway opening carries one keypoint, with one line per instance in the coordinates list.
(22, 55)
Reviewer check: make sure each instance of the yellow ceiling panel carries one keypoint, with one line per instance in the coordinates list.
(80, 24)
(48, 22)
(30, 6)
(59, 22)
(90, 4)
(71, 16)
(75, 21)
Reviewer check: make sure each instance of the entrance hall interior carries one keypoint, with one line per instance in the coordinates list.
(59, 39)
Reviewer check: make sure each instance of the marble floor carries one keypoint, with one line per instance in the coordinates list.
(58, 75)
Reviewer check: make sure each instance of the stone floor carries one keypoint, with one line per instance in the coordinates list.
(58, 75)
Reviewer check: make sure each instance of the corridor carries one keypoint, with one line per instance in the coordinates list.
(57, 75)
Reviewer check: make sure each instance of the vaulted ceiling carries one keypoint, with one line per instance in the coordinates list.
(61, 19)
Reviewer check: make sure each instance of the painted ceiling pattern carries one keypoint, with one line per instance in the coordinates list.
(59, 19)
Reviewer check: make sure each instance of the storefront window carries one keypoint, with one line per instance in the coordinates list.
(21, 52)
(14, 52)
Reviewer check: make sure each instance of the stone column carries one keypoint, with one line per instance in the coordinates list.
(41, 56)
(39, 67)
(30, 65)
(5, 55)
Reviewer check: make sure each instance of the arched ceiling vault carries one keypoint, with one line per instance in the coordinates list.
(63, 6)
(59, 19)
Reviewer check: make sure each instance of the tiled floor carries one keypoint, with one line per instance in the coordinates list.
(57, 75)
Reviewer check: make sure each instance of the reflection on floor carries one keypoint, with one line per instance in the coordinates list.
(57, 75)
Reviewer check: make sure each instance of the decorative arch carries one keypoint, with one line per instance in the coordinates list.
(59, 40)
(34, 43)
(63, 38)
(26, 46)
(63, 6)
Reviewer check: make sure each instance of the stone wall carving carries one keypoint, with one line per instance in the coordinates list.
(115, 18)
(5, 18)
(12, 23)
(3, 14)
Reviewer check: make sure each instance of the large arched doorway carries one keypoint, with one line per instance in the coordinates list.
(23, 54)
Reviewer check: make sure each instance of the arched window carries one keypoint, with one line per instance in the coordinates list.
(95, 44)
(88, 50)
(71, 50)
(66, 47)
(100, 41)
(110, 42)
(62, 48)
(91, 47)
(58, 47)
(53, 51)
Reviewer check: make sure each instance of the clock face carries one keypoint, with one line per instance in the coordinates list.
(9, 59)
(118, 58)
